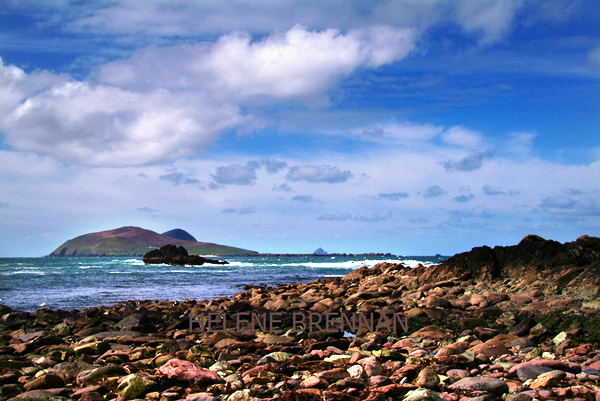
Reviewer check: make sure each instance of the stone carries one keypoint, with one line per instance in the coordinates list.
(487, 384)
(93, 348)
(314, 382)
(549, 379)
(134, 385)
(422, 394)
(188, 371)
(242, 395)
(538, 330)
(531, 372)
(491, 348)
(428, 378)
(565, 366)
(68, 371)
(43, 382)
(38, 395)
(333, 375)
(371, 366)
(91, 396)
(457, 374)
(103, 371)
(356, 371)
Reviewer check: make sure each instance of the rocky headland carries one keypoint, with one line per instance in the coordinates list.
(515, 323)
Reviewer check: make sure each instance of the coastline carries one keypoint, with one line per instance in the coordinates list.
(518, 337)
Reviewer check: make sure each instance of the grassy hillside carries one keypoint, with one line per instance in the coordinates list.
(135, 241)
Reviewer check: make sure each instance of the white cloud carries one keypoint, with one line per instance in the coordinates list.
(405, 133)
(236, 174)
(463, 137)
(318, 174)
(104, 125)
(521, 142)
(593, 57)
(468, 163)
(163, 104)
(491, 19)
(299, 62)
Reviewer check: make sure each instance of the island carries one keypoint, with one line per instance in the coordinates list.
(136, 241)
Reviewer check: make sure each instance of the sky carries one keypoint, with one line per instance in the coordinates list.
(413, 127)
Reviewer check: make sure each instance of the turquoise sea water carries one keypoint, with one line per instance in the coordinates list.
(77, 283)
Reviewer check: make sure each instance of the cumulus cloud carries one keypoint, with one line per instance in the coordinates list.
(336, 217)
(406, 132)
(493, 191)
(146, 209)
(247, 210)
(273, 165)
(282, 188)
(463, 137)
(394, 195)
(373, 216)
(434, 191)
(178, 178)
(469, 163)
(305, 199)
(295, 63)
(105, 125)
(236, 174)
(318, 174)
(521, 142)
(463, 198)
(478, 212)
(167, 103)
(229, 210)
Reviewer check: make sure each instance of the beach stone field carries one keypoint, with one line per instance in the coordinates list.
(514, 323)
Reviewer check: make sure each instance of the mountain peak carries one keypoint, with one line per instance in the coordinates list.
(320, 251)
(180, 234)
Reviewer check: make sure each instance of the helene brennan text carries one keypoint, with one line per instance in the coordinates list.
(275, 322)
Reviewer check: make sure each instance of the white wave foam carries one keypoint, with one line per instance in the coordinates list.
(36, 272)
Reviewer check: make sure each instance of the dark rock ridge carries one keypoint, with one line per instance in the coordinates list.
(178, 233)
(177, 256)
(572, 268)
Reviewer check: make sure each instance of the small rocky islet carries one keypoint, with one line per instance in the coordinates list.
(515, 323)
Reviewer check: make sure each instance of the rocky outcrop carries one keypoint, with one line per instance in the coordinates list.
(177, 256)
(572, 268)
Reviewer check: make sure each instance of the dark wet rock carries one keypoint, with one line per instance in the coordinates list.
(487, 384)
(44, 382)
(531, 372)
(177, 256)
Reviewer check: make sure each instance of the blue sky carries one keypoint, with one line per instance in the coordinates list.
(410, 127)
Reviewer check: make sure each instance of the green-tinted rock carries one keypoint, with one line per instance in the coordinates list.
(134, 386)
(93, 348)
(276, 357)
(103, 371)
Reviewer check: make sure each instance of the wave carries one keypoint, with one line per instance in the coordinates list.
(36, 272)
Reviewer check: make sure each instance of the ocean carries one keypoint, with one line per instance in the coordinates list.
(67, 283)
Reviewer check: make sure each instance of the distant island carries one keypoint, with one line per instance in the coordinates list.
(136, 241)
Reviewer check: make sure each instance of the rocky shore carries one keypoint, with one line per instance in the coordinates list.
(515, 323)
